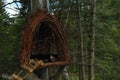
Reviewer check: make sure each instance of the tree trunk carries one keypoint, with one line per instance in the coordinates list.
(40, 4)
(48, 8)
(59, 71)
(80, 46)
(36, 4)
(92, 41)
(65, 75)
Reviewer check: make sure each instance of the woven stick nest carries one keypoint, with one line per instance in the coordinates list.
(50, 27)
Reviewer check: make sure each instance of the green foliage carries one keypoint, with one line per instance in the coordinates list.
(107, 39)
(107, 44)
(10, 41)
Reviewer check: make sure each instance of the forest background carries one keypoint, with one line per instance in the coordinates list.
(75, 17)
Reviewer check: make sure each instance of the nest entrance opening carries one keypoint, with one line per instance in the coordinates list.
(46, 44)
(43, 40)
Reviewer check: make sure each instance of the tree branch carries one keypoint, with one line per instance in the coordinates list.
(9, 4)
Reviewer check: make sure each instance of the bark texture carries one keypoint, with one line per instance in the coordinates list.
(65, 74)
(92, 41)
(40, 4)
(80, 46)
